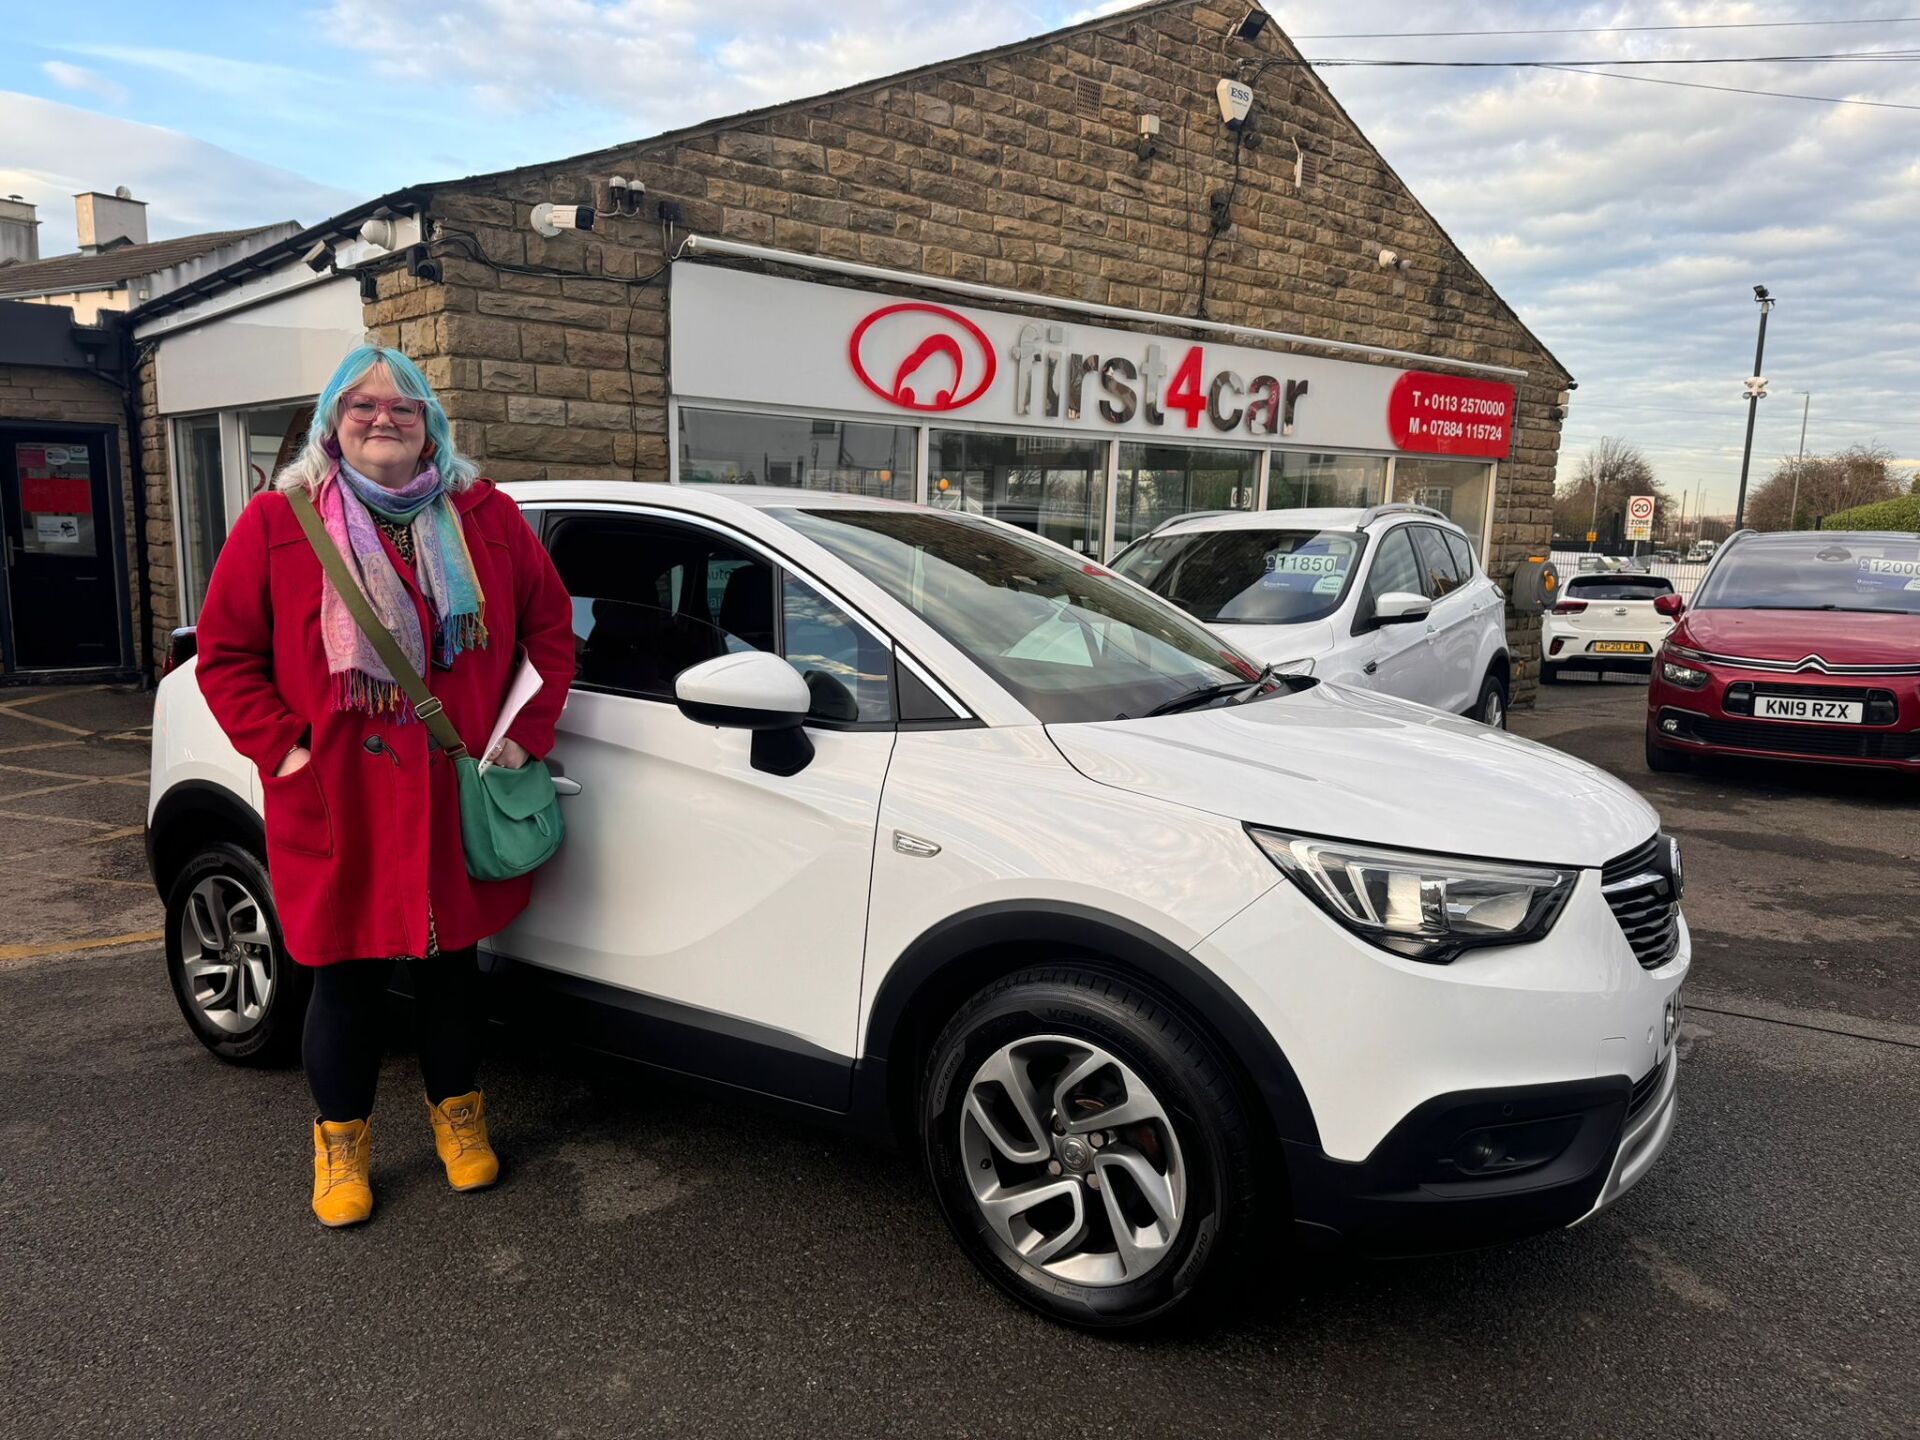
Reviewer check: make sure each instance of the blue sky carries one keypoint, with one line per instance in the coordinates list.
(1627, 222)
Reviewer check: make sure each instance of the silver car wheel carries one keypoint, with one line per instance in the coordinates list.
(1494, 711)
(1073, 1161)
(226, 954)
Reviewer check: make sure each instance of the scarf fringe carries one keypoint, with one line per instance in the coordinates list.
(357, 690)
(466, 632)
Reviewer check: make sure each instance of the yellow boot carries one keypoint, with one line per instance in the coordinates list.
(460, 1135)
(342, 1193)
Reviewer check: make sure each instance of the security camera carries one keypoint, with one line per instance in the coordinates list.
(550, 220)
(1388, 259)
(319, 257)
(378, 233)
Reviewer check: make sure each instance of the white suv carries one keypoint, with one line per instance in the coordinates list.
(1388, 599)
(912, 819)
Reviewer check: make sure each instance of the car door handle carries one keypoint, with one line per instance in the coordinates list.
(563, 786)
(1433, 629)
(1369, 667)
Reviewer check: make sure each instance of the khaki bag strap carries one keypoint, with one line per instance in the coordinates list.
(426, 706)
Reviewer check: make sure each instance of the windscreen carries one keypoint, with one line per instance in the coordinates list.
(1248, 577)
(1866, 573)
(1064, 637)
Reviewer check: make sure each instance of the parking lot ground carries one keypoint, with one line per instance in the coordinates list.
(659, 1262)
(1803, 881)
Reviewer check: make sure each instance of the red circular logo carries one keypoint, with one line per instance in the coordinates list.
(922, 357)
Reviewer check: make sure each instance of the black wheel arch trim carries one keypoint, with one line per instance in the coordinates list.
(940, 957)
(203, 801)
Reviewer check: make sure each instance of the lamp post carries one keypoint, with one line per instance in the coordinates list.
(1593, 516)
(1793, 513)
(1756, 389)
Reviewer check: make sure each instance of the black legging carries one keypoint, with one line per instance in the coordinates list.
(345, 1023)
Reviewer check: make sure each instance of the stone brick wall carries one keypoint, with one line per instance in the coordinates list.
(163, 559)
(1015, 169)
(72, 397)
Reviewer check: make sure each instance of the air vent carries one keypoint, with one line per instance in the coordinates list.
(1306, 167)
(1092, 93)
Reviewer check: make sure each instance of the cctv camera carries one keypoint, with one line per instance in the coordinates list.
(319, 257)
(550, 220)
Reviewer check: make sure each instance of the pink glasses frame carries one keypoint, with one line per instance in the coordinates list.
(384, 408)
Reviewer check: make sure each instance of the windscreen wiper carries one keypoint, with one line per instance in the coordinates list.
(1204, 693)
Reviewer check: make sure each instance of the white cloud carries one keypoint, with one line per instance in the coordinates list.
(91, 82)
(54, 151)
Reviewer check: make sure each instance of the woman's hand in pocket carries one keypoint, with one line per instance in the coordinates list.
(296, 760)
(509, 755)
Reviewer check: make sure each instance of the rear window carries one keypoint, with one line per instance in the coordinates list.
(1809, 572)
(1615, 587)
(1248, 577)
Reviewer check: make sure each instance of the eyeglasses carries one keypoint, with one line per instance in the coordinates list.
(365, 409)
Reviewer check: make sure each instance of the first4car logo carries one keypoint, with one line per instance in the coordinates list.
(922, 357)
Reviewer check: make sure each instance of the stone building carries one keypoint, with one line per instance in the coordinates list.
(1046, 282)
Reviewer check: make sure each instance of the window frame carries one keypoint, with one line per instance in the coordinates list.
(552, 522)
(1439, 537)
(1458, 543)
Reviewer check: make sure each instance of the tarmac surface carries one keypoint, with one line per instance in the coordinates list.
(658, 1262)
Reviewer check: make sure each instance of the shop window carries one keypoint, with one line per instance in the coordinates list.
(733, 447)
(1299, 480)
(1047, 484)
(265, 435)
(201, 484)
(1159, 482)
(1458, 489)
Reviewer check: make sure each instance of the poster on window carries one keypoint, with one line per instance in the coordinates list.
(56, 499)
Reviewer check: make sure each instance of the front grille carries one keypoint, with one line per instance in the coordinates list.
(1645, 1089)
(1640, 894)
(1785, 738)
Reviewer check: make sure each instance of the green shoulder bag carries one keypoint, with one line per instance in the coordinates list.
(509, 819)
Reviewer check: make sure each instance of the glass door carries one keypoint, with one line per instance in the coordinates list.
(1052, 485)
(61, 550)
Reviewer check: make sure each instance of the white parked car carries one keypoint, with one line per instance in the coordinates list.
(1389, 599)
(1604, 622)
(916, 821)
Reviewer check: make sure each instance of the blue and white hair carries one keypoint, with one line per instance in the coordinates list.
(322, 448)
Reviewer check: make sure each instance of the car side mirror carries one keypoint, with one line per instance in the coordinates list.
(1669, 605)
(753, 691)
(1400, 607)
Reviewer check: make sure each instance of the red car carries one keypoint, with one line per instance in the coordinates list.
(1795, 647)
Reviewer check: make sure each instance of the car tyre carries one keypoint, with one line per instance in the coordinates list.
(1008, 1134)
(227, 963)
(1663, 761)
(1491, 707)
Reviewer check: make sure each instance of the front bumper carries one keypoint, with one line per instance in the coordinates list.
(1411, 1196)
(1558, 1054)
(1719, 719)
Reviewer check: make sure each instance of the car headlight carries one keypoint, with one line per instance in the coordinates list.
(1421, 907)
(1675, 670)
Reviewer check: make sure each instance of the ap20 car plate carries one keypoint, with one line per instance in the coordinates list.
(1619, 647)
(1791, 707)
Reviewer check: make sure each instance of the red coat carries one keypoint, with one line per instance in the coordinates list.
(359, 840)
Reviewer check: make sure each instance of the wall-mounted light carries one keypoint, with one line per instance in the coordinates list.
(1394, 260)
(1251, 24)
(1148, 145)
(319, 258)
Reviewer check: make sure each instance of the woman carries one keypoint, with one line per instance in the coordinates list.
(362, 809)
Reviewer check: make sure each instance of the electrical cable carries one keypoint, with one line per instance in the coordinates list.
(1831, 58)
(1734, 89)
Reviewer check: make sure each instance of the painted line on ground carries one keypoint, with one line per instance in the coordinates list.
(74, 947)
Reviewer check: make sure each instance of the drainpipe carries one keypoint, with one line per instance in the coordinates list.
(130, 394)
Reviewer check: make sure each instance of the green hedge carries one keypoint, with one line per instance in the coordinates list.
(1900, 514)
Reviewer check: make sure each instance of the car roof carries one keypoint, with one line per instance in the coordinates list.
(699, 498)
(1831, 537)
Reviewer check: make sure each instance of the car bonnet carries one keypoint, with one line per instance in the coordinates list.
(1358, 766)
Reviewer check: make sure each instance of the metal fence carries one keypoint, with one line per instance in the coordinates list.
(1685, 574)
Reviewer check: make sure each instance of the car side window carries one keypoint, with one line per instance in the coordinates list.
(1436, 561)
(651, 599)
(1462, 555)
(1394, 568)
(847, 669)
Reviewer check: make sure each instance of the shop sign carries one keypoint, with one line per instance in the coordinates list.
(756, 339)
(1451, 415)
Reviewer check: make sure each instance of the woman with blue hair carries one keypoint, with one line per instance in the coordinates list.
(362, 806)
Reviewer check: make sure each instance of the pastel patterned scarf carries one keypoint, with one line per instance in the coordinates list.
(443, 569)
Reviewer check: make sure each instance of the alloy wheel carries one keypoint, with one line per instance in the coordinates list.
(226, 954)
(1494, 711)
(1073, 1161)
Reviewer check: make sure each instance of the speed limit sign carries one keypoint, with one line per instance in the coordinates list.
(1640, 517)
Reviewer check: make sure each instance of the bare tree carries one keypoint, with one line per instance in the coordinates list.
(1858, 475)
(1607, 475)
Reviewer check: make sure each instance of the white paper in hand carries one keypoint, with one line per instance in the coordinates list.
(526, 685)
